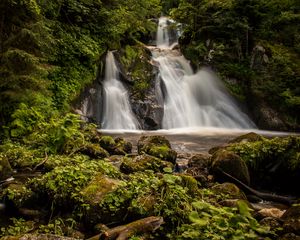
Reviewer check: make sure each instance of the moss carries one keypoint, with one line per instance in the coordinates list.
(249, 137)
(144, 162)
(228, 191)
(94, 151)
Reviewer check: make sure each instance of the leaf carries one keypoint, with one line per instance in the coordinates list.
(194, 217)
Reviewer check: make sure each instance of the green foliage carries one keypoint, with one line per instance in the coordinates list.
(210, 222)
(17, 228)
(63, 184)
(263, 153)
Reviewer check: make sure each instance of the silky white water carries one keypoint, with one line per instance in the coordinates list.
(193, 100)
(117, 112)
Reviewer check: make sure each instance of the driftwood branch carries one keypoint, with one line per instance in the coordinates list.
(124, 232)
(264, 196)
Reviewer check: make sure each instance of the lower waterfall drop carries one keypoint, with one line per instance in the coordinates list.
(117, 112)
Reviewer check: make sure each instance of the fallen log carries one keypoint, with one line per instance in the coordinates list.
(264, 196)
(124, 232)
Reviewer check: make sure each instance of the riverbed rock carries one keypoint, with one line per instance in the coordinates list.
(273, 223)
(230, 190)
(229, 163)
(249, 137)
(289, 236)
(291, 220)
(198, 166)
(94, 151)
(5, 168)
(144, 162)
(157, 146)
(271, 212)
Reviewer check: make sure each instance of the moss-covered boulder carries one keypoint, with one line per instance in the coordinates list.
(107, 142)
(157, 146)
(249, 137)
(94, 151)
(230, 163)
(273, 163)
(122, 146)
(92, 196)
(229, 191)
(118, 146)
(144, 162)
(5, 168)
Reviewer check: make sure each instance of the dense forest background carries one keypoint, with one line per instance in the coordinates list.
(50, 50)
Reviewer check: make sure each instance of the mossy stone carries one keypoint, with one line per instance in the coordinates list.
(230, 190)
(231, 164)
(94, 151)
(144, 162)
(249, 137)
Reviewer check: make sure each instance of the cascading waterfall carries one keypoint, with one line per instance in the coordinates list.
(117, 112)
(193, 100)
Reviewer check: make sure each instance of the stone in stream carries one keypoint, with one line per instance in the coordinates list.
(157, 146)
(144, 162)
(231, 164)
(249, 137)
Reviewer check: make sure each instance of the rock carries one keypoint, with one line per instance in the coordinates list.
(116, 160)
(291, 220)
(249, 137)
(271, 222)
(108, 143)
(292, 213)
(213, 150)
(259, 59)
(144, 162)
(200, 161)
(231, 164)
(94, 151)
(157, 146)
(271, 212)
(198, 167)
(93, 194)
(289, 236)
(122, 146)
(230, 190)
(5, 168)
(233, 203)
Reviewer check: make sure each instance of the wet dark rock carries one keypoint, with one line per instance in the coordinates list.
(231, 164)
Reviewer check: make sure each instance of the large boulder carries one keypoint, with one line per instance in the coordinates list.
(230, 163)
(157, 146)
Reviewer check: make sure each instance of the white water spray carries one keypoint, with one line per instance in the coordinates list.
(117, 112)
(193, 100)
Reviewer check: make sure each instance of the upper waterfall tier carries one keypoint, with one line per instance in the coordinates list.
(193, 100)
(117, 112)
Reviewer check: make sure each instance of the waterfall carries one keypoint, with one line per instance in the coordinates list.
(193, 99)
(117, 112)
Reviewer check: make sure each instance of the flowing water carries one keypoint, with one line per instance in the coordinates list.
(117, 112)
(193, 99)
